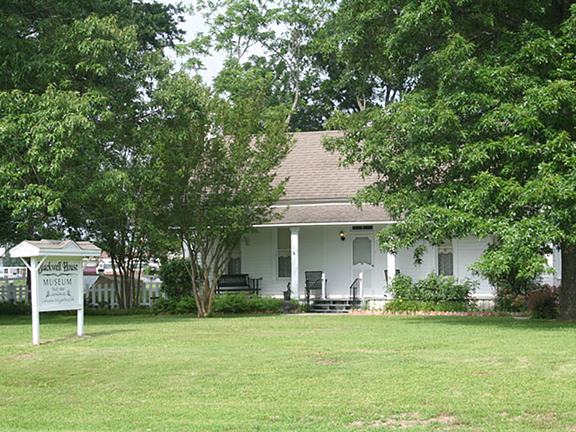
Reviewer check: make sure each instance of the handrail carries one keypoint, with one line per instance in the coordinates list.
(353, 291)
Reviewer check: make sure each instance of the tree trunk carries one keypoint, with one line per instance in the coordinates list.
(117, 288)
(568, 288)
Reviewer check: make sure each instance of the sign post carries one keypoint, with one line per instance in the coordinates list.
(56, 269)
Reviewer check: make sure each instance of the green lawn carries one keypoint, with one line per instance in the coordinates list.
(284, 373)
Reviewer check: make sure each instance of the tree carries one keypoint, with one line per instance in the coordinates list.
(72, 98)
(268, 44)
(340, 53)
(118, 215)
(71, 72)
(483, 140)
(215, 180)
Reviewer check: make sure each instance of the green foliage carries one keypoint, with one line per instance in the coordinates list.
(173, 305)
(481, 142)
(401, 305)
(403, 287)
(543, 303)
(105, 311)
(24, 308)
(76, 88)
(71, 92)
(213, 166)
(241, 303)
(510, 300)
(175, 278)
(282, 33)
(434, 288)
(223, 304)
(15, 308)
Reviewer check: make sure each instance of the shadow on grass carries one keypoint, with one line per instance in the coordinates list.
(117, 320)
(96, 334)
(85, 337)
(492, 322)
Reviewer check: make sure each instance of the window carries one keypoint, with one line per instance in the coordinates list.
(284, 250)
(446, 258)
(362, 251)
(235, 263)
(362, 227)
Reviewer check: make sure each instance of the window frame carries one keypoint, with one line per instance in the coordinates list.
(276, 255)
(454, 259)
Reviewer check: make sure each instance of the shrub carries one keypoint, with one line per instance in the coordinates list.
(225, 304)
(172, 305)
(242, 303)
(510, 301)
(175, 279)
(435, 289)
(543, 303)
(96, 311)
(15, 308)
(402, 287)
(508, 274)
(400, 305)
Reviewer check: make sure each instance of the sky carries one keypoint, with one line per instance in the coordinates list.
(192, 25)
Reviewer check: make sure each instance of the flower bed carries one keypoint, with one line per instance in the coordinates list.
(434, 313)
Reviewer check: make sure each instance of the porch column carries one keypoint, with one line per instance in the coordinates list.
(294, 283)
(391, 266)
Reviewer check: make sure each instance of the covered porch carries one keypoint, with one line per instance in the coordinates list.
(348, 257)
(333, 262)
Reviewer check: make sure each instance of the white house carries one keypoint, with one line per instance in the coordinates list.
(322, 231)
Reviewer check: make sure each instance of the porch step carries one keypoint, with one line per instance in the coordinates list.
(331, 306)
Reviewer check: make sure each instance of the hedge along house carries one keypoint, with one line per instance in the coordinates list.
(321, 231)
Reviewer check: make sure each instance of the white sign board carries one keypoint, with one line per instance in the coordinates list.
(56, 269)
(59, 284)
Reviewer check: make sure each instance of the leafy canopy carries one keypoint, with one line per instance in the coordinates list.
(483, 140)
(74, 73)
(214, 178)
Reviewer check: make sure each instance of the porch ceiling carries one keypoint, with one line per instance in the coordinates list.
(318, 214)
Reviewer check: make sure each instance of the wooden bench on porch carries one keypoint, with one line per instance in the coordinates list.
(234, 283)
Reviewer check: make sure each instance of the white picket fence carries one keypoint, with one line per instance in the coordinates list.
(101, 295)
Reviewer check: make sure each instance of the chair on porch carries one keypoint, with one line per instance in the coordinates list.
(314, 282)
(397, 272)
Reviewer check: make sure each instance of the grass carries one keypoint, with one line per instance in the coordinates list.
(286, 373)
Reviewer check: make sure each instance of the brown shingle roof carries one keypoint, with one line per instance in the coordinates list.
(314, 173)
(330, 214)
(315, 176)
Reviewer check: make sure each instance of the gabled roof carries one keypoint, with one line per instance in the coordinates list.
(67, 248)
(319, 190)
(315, 174)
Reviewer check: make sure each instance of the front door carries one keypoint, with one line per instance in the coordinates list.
(363, 261)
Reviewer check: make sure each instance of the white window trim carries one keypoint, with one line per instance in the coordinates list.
(275, 255)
